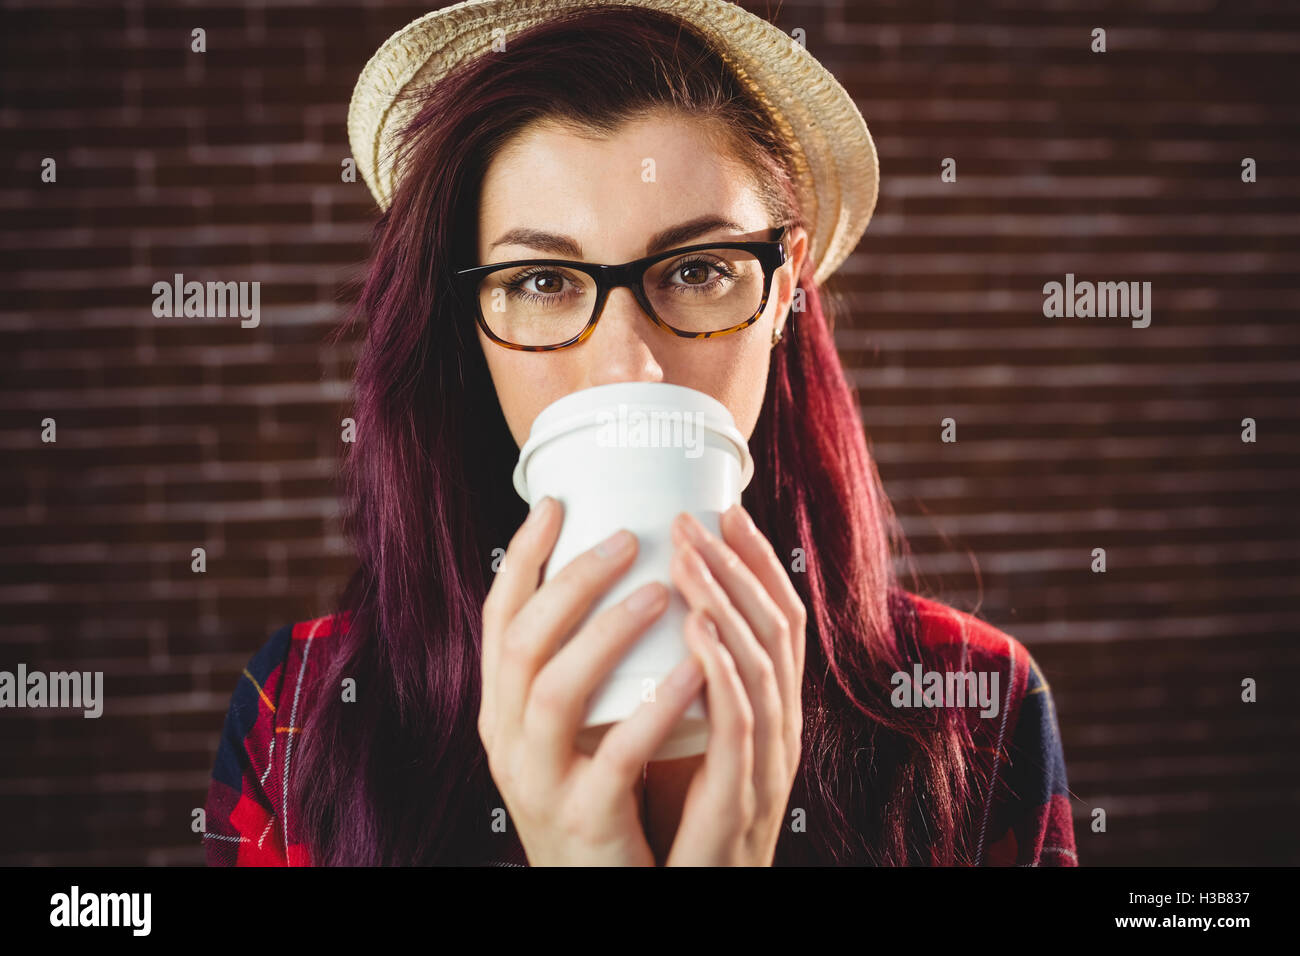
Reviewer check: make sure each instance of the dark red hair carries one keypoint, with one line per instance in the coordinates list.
(400, 776)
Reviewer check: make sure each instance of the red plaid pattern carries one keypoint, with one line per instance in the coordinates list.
(247, 824)
(1023, 820)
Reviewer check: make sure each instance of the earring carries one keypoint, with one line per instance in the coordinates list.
(776, 335)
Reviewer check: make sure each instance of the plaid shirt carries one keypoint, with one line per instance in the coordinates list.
(1023, 820)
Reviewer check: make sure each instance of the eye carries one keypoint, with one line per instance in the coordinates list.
(696, 272)
(549, 282)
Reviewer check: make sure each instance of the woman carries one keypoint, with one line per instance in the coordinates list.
(408, 728)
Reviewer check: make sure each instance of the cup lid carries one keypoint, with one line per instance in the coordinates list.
(580, 409)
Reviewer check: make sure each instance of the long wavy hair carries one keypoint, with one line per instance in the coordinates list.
(399, 776)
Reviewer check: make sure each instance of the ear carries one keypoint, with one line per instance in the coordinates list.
(787, 276)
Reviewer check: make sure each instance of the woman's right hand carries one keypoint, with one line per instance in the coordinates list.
(570, 808)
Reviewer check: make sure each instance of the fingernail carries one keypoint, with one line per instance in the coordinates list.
(691, 528)
(741, 517)
(620, 542)
(696, 564)
(539, 511)
(687, 673)
(646, 598)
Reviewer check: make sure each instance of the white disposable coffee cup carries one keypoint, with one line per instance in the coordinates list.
(633, 455)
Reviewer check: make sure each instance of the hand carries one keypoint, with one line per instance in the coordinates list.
(570, 809)
(735, 804)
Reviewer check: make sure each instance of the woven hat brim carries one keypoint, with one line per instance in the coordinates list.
(837, 169)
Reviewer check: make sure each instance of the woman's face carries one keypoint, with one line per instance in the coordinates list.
(594, 192)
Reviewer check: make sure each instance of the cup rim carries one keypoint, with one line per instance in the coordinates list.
(556, 419)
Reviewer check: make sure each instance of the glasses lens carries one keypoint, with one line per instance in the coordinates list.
(536, 304)
(707, 290)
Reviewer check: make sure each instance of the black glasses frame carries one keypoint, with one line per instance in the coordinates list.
(771, 254)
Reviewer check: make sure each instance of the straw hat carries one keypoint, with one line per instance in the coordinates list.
(837, 170)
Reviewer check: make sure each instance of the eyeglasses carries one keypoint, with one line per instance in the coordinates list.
(697, 292)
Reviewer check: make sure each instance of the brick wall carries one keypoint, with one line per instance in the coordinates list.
(1073, 434)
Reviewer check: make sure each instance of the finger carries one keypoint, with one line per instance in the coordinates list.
(630, 743)
(548, 618)
(729, 755)
(749, 595)
(758, 675)
(520, 571)
(560, 693)
(756, 551)
(516, 580)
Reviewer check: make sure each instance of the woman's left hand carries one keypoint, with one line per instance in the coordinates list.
(735, 803)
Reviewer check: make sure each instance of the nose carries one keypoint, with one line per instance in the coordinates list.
(620, 347)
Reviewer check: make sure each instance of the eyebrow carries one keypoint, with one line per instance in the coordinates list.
(561, 245)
